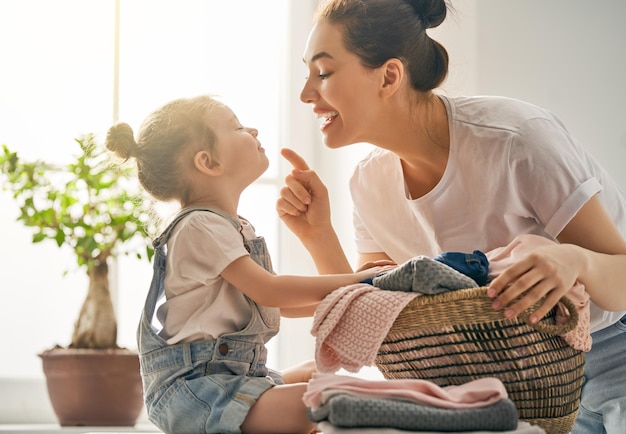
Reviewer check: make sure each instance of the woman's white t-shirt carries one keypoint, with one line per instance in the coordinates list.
(200, 304)
(512, 169)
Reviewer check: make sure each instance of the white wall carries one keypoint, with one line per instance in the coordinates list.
(568, 56)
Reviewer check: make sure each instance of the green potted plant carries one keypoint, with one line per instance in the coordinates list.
(87, 206)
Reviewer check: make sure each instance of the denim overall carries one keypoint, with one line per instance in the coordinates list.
(207, 386)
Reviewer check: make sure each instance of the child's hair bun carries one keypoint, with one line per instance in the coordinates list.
(121, 141)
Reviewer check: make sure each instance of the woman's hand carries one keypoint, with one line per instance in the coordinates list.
(305, 208)
(548, 271)
(592, 251)
(303, 204)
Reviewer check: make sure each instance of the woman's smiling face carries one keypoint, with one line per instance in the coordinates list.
(343, 92)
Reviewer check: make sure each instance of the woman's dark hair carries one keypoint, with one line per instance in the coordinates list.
(379, 30)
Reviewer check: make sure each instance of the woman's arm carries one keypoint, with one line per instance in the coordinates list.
(592, 251)
(603, 250)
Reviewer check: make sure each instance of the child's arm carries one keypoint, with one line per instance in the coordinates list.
(298, 312)
(286, 291)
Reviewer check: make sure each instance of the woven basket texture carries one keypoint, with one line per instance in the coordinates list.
(456, 337)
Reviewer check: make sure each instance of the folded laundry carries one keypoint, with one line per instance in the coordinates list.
(351, 410)
(474, 265)
(424, 275)
(473, 394)
(326, 427)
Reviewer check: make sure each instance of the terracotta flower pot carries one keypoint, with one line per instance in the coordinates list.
(94, 387)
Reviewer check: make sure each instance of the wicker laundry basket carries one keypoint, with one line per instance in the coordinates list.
(456, 337)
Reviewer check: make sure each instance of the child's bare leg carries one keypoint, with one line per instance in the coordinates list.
(279, 410)
(300, 373)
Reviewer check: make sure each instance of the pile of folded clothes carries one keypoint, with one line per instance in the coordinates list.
(347, 404)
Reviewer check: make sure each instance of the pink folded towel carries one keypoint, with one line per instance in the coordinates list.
(351, 323)
(473, 394)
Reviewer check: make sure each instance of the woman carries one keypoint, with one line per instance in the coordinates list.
(459, 174)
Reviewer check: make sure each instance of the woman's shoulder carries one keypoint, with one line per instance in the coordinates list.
(474, 102)
(493, 111)
(377, 157)
(369, 169)
(376, 161)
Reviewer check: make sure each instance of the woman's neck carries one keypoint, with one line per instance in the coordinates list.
(424, 145)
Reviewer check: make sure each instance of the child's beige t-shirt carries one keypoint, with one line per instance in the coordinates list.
(200, 304)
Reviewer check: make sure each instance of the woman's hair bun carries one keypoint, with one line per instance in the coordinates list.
(121, 141)
(431, 12)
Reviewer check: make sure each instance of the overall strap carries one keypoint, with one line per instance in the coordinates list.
(161, 240)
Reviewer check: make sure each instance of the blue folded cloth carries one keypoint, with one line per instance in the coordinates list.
(474, 265)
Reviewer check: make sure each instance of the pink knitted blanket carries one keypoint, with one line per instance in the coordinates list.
(351, 323)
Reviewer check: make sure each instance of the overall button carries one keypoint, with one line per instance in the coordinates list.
(223, 349)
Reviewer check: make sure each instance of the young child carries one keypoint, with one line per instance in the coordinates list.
(203, 354)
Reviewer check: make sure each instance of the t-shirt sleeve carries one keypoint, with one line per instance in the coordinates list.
(364, 241)
(550, 175)
(204, 246)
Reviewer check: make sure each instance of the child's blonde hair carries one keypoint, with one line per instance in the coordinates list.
(172, 132)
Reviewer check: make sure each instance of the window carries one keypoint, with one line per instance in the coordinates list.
(62, 76)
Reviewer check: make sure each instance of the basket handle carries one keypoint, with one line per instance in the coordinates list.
(555, 329)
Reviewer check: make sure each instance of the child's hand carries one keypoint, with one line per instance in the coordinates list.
(379, 263)
(373, 270)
